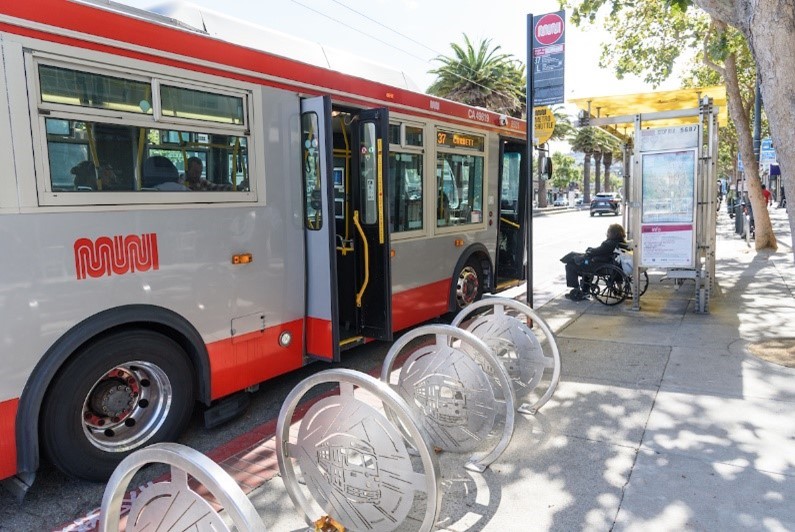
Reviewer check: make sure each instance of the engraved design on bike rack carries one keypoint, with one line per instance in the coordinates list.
(174, 505)
(515, 345)
(456, 388)
(354, 462)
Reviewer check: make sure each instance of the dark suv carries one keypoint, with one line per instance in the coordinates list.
(609, 202)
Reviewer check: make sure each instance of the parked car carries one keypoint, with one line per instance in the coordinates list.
(560, 202)
(606, 202)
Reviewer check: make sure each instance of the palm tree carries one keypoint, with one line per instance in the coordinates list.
(597, 161)
(480, 75)
(584, 140)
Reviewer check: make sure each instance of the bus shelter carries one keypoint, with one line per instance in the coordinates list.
(670, 144)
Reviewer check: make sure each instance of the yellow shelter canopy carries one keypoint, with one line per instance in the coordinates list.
(652, 102)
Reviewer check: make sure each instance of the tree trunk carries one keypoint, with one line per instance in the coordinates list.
(607, 160)
(764, 237)
(542, 183)
(586, 179)
(769, 27)
(597, 162)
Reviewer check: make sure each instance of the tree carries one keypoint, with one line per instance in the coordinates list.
(584, 141)
(660, 34)
(482, 76)
(565, 171)
(769, 28)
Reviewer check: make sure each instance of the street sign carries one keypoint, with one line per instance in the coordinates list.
(767, 153)
(544, 125)
(549, 50)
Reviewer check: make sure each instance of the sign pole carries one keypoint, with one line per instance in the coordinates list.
(530, 129)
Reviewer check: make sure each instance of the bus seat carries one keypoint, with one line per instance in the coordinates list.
(158, 170)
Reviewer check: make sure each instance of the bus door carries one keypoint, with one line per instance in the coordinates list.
(365, 287)
(322, 327)
(513, 205)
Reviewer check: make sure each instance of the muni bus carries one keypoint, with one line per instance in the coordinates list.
(191, 205)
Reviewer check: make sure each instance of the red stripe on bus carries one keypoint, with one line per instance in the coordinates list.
(8, 438)
(420, 304)
(93, 21)
(319, 337)
(252, 358)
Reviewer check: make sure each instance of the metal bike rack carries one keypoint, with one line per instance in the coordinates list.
(174, 505)
(515, 345)
(450, 386)
(354, 461)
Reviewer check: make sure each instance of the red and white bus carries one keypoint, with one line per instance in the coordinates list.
(191, 206)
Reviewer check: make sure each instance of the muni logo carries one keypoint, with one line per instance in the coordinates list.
(118, 255)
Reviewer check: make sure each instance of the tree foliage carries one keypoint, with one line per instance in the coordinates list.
(479, 74)
(652, 35)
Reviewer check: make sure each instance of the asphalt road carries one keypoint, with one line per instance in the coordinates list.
(56, 499)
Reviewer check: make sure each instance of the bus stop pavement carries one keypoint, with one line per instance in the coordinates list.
(664, 419)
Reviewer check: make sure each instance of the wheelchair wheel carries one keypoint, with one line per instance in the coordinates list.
(609, 285)
(644, 284)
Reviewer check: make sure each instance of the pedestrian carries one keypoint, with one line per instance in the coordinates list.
(767, 195)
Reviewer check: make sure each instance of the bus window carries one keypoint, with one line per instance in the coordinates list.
(459, 188)
(313, 205)
(100, 151)
(405, 185)
(369, 173)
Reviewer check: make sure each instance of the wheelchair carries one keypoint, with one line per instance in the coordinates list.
(609, 284)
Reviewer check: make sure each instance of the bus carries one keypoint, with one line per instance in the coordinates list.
(192, 205)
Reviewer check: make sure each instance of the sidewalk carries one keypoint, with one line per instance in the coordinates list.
(663, 419)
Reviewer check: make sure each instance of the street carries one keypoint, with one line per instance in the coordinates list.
(57, 500)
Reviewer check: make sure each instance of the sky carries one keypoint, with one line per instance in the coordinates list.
(408, 34)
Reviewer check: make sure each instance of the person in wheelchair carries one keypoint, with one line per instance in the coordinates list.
(580, 265)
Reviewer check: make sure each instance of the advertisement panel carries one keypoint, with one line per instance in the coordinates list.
(668, 185)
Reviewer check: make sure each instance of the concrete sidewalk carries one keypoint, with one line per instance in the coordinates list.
(663, 419)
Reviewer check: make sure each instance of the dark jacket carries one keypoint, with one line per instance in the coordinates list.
(604, 253)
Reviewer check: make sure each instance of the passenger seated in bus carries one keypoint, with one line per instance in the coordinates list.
(194, 180)
(578, 264)
(85, 176)
(159, 173)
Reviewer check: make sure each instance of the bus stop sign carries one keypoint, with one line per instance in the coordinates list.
(548, 57)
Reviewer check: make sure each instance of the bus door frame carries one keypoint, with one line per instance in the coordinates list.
(321, 306)
(369, 195)
(519, 272)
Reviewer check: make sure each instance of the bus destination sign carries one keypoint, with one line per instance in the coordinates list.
(459, 140)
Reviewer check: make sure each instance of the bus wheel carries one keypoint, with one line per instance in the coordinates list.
(120, 393)
(469, 283)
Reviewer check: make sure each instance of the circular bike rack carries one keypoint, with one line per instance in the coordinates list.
(353, 461)
(174, 505)
(515, 345)
(455, 388)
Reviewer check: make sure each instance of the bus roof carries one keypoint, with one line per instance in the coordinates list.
(244, 33)
(186, 36)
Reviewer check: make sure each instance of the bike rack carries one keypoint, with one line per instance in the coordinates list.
(455, 387)
(515, 345)
(174, 505)
(364, 456)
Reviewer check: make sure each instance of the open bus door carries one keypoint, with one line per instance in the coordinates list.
(364, 281)
(513, 205)
(370, 164)
(322, 327)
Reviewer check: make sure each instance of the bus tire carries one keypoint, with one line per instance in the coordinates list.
(119, 393)
(469, 283)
